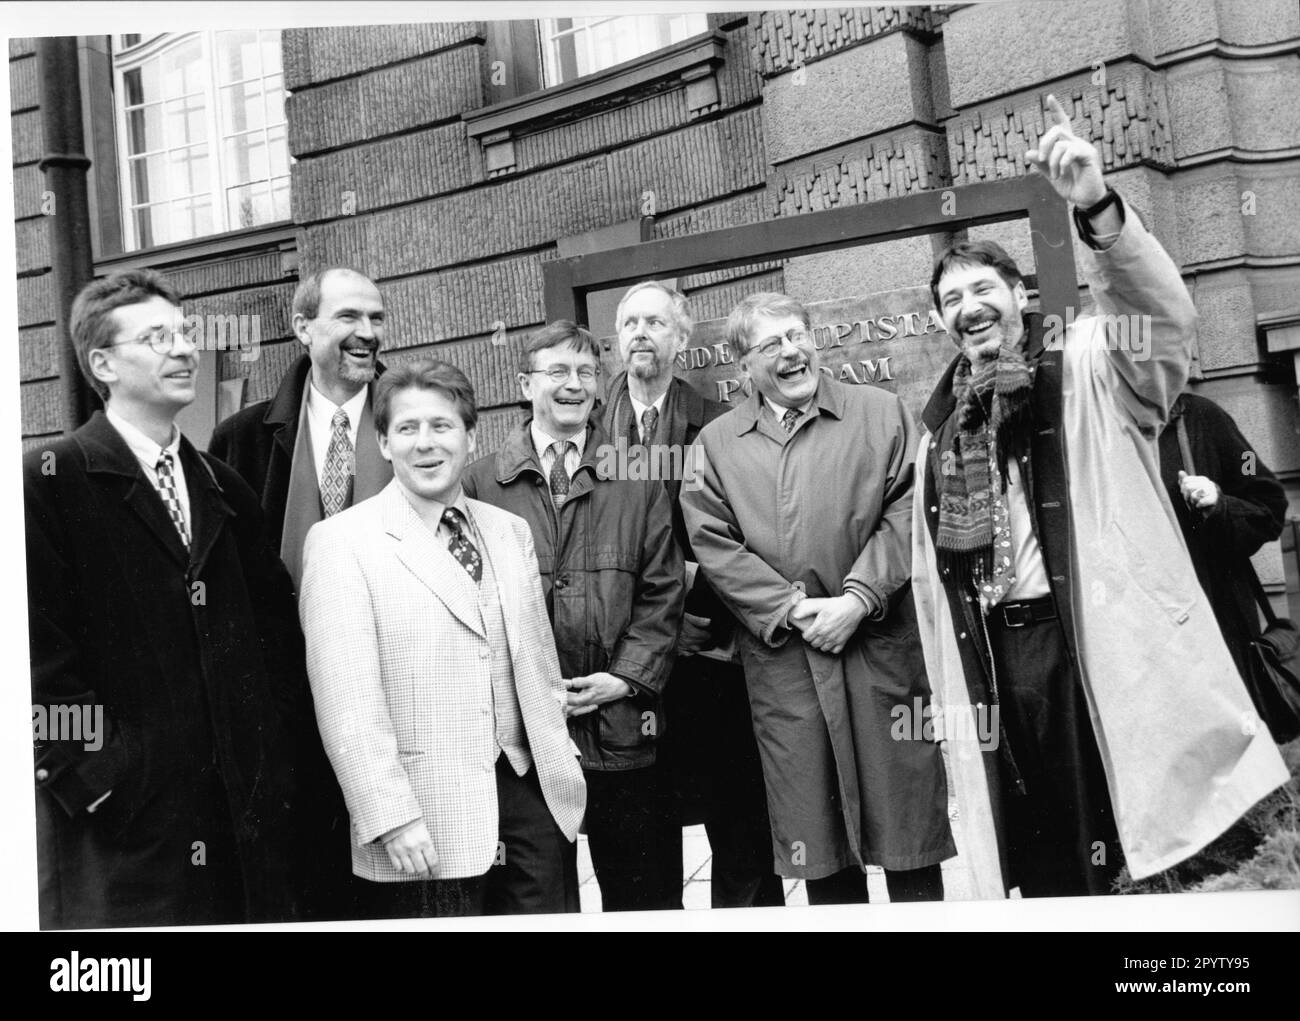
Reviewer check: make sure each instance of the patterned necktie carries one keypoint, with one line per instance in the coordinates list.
(336, 480)
(790, 417)
(559, 474)
(649, 419)
(167, 487)
(459, 546)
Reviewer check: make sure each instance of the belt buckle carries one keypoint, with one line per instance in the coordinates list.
(1017, 615)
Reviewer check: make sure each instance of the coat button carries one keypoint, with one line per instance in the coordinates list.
(934, 510)
(962, 635)
(42, 775)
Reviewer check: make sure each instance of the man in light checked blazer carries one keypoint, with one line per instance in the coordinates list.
(437, 686)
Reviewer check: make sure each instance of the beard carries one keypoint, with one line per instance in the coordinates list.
(645, 369)
(351, 372)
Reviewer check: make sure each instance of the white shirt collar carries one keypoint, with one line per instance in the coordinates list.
(639, 409)
(141, 445)
(780, 409)
(542, 440)
(320, 406)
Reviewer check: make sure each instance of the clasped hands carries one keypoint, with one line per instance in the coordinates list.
(587, 694)
(828, 623)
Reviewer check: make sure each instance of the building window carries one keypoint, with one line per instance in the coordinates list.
(202, 134)
(573, 47)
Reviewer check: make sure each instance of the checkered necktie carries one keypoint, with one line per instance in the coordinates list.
(336, 480)
(791, 416)
(459, 546)
(649, 419)
(167, 488)
(559, 476)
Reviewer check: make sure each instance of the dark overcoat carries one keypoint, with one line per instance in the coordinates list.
(196, 660)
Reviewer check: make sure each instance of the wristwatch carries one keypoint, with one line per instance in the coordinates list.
(1083, 215)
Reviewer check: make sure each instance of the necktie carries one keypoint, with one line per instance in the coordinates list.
(790, 417)
(649, 419)
(559, 475)
(336, 479)
(459, 546)
(167, 487)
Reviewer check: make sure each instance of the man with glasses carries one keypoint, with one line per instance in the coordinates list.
(800, 516)
(165, 648)
(615, 588)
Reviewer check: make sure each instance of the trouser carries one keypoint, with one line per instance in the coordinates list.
(710, 754)
(1059, 825)
(634, 838)
(849, 886)
(535, 871)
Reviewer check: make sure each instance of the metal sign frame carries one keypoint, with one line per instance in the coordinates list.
(569, 281)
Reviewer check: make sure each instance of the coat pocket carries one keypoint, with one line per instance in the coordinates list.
(1153, 577)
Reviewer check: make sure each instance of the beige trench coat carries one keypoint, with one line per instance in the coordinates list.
(1183, 751)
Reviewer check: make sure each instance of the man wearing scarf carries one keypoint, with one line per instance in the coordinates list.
(1054, 594)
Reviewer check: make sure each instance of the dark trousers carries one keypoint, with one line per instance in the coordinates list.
(1059, 827)
(709, 751)
(849, 886)
(634, 838)
(536, 870)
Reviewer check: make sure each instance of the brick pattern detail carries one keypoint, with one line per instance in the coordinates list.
(315, 55)
(464, 302)
(494, 425)
(31, 443)
(730, 213)
(38, 353)
(28, 137)
(504, 218)
(385, 173)
(385, 101)
(264, 374)
(886, 168)
(492, 368)
(42, 411)
(21, 47)
(35, 300)
(716, 302)
(228, 274)
(785, 39)
(28, 185)
(32, 243)
(23, 84)
(688, 167)
(738, 78)
(1129, 122)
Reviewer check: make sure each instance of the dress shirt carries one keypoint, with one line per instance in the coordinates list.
(546, 457)
(148, 452)
(639, 410)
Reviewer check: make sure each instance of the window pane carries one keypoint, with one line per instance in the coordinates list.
(133, 87)
(144, 129)
(182, 69)
(238, 56)
(151, 225)
(248, 205)
(246, 158)
(187, 171)
(274, 87)
(270, 52)
(190, 219)
(594, 44)
(186, 121)
(280, 198)
(279, 153)
(241, 107)
(147, 178)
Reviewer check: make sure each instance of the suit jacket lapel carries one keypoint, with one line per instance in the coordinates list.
(107, 453)
(208, 507)
(425, 557)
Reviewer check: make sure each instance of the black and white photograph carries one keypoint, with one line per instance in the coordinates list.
(525, 461)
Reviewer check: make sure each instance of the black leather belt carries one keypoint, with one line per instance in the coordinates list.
(1032, 611)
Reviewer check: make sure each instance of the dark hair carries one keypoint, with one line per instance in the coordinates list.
(306, 297)
(425, 374)
(974, 253)
(765, 303)
(562, 331)
(92, 311)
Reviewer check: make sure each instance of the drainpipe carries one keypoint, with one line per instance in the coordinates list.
(64, 166)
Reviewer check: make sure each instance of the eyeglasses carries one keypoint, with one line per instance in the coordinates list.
(771, 347)
(160, 338)
(561, 373)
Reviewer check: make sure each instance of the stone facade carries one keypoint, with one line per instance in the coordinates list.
(1191, 103)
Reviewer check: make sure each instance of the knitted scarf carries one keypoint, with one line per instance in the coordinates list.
(992, 420)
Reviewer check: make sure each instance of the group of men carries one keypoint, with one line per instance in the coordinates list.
(348, 670)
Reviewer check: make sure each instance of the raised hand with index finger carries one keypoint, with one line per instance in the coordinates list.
(1072, 164)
